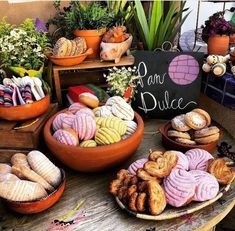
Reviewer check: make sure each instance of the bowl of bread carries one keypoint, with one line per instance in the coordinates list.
(91, 138)
(190, 130)
(30, 183)
(69, 52)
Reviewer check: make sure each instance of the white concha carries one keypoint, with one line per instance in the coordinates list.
(5, 168)
(8, 177)
(20, 159)
(21, 190)
(114, 100)
(123, 110)
(44, 167)
(131, 127)
(103, 111)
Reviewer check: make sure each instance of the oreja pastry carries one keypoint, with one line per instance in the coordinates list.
(171, 157)
(207, 186)
(66, 136)
(177, 134)
(63, 120)
(179, 187)
(107, 136)
(195, 120)
(89, 99)
(208, 139)
(144, 175)
(88, 144)
(185, 141)
(206, 132)
(205, 114)
(198, 159)
(154, 155)
(179, 124)
(5, 168)
(123, 110)
(221, 171)
(75, 107)
(182, 162)
(136, 165)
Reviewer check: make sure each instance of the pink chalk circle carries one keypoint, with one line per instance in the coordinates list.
(183, 69)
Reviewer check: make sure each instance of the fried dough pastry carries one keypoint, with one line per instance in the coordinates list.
(122, 174)
(144, 175)
(114, 186)
(221, 171)
(122, 194)
(157, 199)
(172, 158)
(141, 202)
(154, 155)
(142, 186)
(131, 190)
(133, 201)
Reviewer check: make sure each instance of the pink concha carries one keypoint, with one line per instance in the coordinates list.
(179, 187)
(85, 126)
(182, 161)
(86, 111)
(66, 137)
(137, 164)
(198, 159)
(63, 120)
(75, 107)
(207, 186)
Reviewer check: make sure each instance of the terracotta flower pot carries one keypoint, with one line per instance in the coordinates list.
(93, 40)
(218, 44)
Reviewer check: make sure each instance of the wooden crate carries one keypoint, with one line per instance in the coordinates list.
(23, 136)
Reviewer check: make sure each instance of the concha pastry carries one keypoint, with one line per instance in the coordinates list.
(75, 107)
(103, 111)
(85, 126)
(131, 127)
(8, 177)
(136, 165)
(44, 167)
(207, 186)
(198, 159)
(123, 110)
(195, 120)
(205, 114)
(63, 120)
(20, 159)
(66, 136)
(88, 144)
(183, 162)
(107, 136)
(86, 111)
(21, 190)
(179, 124)
(113, 100)
(179, 187)
(5, 168)
(98, 120)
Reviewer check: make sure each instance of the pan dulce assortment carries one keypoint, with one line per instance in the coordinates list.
(86, 124)
(172, 178)
(193, 128)
(28, 177)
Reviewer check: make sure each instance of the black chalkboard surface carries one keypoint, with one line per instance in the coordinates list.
(170, 83)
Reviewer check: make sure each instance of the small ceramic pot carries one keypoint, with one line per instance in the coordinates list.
(218, 44)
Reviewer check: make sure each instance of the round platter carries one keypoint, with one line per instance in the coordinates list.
(170, 212)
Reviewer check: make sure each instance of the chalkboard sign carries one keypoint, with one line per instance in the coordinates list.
(170, 83)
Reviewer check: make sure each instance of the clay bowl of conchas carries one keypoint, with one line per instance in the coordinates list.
(69, 52)
(30, 183)
(23, 98)
(190, 130)
(91, 138)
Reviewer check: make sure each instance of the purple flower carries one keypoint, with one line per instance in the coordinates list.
(40, 26)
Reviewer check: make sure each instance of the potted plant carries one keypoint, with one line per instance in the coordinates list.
(216, 34)
(122, 81)
(22, 48)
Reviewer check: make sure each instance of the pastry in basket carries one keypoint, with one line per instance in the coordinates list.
(113, 100)
(88, 144)
(177, 134)
(207, 135)
(75, 107)
(86, 111)
(205, 114)
(5, 168)
(179, 187)
(66, 136)
(63, 120)
(144, 175)
(221, 171)
(20, 159)
(185, 141)
(183, 162)
(89, 99)
(207, 186)
(179, 124)
(198, 159)
(103, 111)
(136, 165)
(105, 136)
(123, 110)
(60, 48)
(131, 128)
(8, 177)
(172, 158)
(153, 155)
(195, 120)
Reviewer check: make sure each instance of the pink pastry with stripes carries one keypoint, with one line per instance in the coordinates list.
(207, 186)
(182, 161)
(75, 107)
(86, 111)
(85, 126)
(66, 136)
(63, 120)
(179, 187)
(198, 159)
(136, 165)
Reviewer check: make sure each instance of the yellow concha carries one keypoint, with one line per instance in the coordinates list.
(99, 120)
(88, 144)
(107, 136)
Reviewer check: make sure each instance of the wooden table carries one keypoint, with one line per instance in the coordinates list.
(100, 211)
(87, 65)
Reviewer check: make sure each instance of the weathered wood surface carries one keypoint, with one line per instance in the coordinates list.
(100, 211)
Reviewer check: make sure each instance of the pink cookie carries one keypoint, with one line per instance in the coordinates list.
(75, 107)
(179, 187)
(85, 110)
(66, 136)
(198, 159)
(207, 185)
(182, 161)
(137, 164)
(85, 126)
(63, 120)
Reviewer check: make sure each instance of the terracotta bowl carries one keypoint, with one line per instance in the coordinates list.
(27, 111)
(171, 144)
(68, 61)
(94, 159)
(37, 206)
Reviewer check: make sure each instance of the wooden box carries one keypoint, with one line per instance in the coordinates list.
(23, 136)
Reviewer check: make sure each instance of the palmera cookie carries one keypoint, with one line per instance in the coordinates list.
(178, 123)
(185, 141)
(206, 132)
(177, 134)
(195, 120)
(205, 114)
(208, 139)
